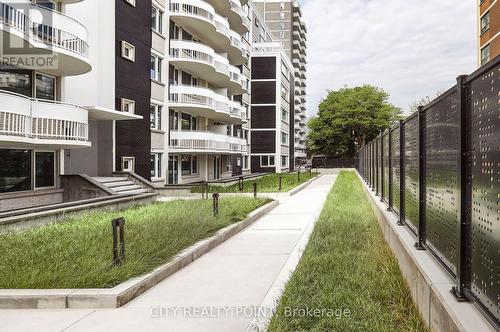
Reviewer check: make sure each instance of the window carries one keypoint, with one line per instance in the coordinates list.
(45, 169)
(188, 122)
(156, 63)
(267, 161)
(15, 170)
(174, 120)
(128, 51)
(16, 81)
(156, 117)
(282, 16)
(189, 165)
(45, 87)
(485, 54)
(245, 162)
(46, 4)
(156, 170)
(282, 34)
(284, 161)
(485, 22)
(284, 115)
(128, 106)
(282, 5)
(130, 2)
(284, 138)
(156, 20)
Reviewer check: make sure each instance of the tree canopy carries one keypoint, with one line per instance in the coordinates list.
(349, 118)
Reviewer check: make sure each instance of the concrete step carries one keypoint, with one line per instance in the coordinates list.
(127, 188)
(134, 192)
(110, 179)
(119, 184)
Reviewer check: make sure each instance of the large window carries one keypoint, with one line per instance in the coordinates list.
(45, 169)
(189, 164)
(15, 170)
(156, 117)
(156, 171)
(156, 20)
(45, 87)
(16, 81)
(156, 63)
(485, 22)
(284, 161)
(267, 161)
(188, 122)
(284, 138)
(485, 54)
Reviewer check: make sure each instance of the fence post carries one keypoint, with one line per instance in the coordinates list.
(118, 257)
(240, 183)
(376, 168)
(382, 175)
(402, 175)
(421, 179)
(464, 185)
(389, 147)
(215, 198)
(372, 165)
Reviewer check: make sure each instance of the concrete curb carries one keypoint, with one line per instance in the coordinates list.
(121, 294)
(430, 285)
(302, 186)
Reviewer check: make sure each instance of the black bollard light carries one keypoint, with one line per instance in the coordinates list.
(298, 175)
(255, 189)
(240, 183)
(215, 198)
(280, 187)
(118, 230)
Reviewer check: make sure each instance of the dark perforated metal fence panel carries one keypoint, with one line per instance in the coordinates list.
(411, 161)
(439, 170)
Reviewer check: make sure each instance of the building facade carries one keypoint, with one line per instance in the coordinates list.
(284, 19)
(154, 87)
(488, 30)
(43, 131)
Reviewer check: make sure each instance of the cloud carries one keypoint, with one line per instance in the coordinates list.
(410, 48)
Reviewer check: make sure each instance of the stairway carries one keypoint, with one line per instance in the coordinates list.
(121, 185)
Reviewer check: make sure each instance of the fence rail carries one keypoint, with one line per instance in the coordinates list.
(439, 171)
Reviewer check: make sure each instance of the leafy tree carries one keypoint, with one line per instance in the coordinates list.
(349, 118)
(424, 101)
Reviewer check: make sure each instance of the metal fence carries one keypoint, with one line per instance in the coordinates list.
(439, 171)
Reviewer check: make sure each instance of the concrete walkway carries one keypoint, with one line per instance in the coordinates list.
(218, 292)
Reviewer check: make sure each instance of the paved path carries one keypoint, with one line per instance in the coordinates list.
(217, 292)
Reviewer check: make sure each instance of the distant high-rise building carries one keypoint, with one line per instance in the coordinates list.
(488, 30)
(284, 19)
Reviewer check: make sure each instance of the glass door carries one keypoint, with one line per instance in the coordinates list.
(173, 170)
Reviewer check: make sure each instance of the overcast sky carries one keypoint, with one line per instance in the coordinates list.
(410, 48)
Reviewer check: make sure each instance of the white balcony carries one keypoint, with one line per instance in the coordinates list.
(201, 19)
(49, 33)
(206, 142)
(202, 61)
(204, 102)
(232, 9)
(27, 122)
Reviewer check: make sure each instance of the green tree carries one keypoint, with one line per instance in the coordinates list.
(349, 118)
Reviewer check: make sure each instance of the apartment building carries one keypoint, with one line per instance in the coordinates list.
(284, 19)
(182, 66)
(154, 87)
(271, 133)
(42, 132)
(488, 30)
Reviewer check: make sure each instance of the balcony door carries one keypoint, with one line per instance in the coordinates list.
(173, 170)
(217, 167)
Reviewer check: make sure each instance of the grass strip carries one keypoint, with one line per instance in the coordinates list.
(78, 252)
(349, 269)
(267, 183)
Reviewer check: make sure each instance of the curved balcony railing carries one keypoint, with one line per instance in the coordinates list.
(236, 7)
(64, 32)
(199, 9)
(42, 119)
(192, 51)
(206, 141)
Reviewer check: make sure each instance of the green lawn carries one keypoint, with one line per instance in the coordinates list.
(78, 252)
(347, 267)
(267, 183)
